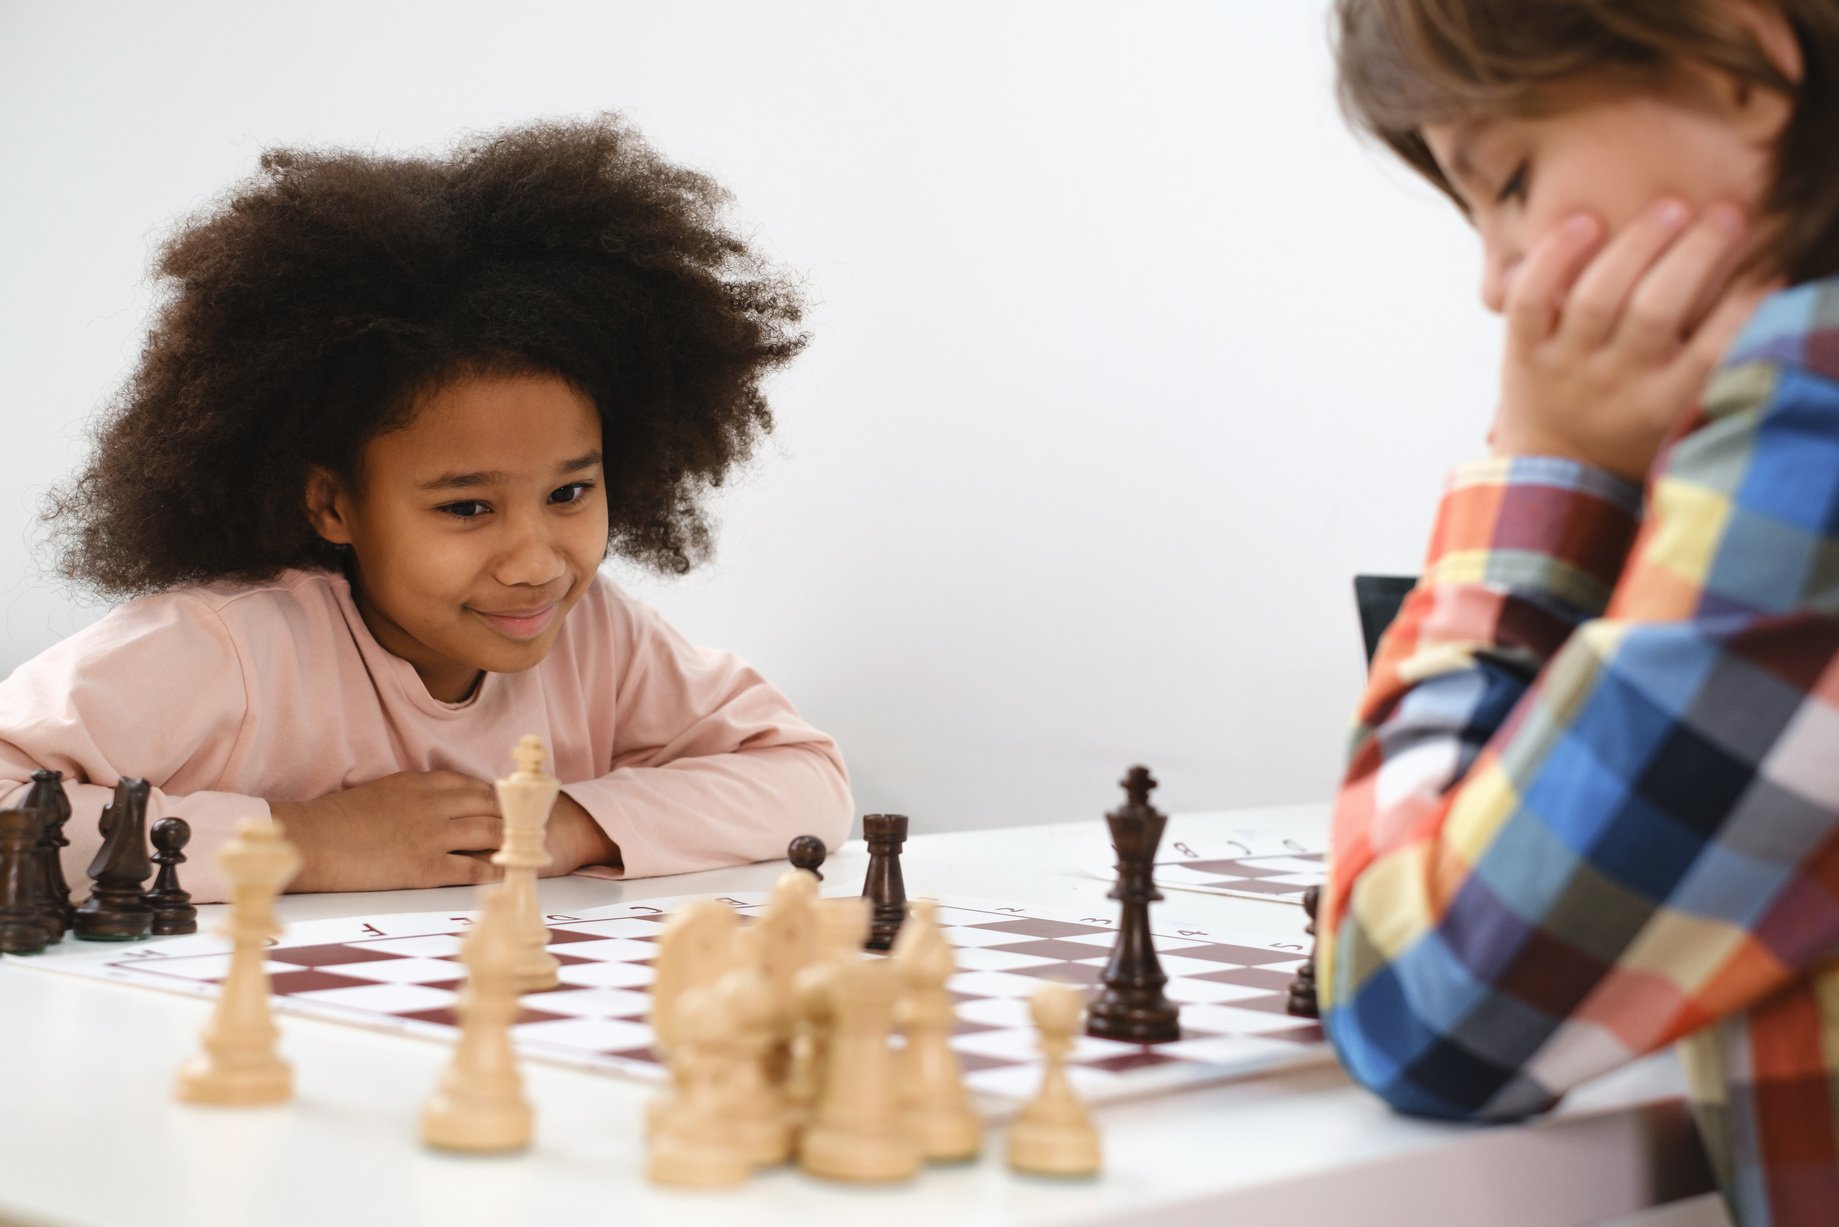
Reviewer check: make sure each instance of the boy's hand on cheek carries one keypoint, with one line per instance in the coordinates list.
(412, 829)
(1609, 343)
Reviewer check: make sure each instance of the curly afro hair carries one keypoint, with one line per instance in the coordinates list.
(311, 310)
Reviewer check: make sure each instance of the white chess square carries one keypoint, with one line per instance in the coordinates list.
(610, 949)
(993, 984)
(605, 975)
(400, 971)
(202, 967)
(591, 1002)
(382, 998)
(625, 926)
(964, 937)
(592, 1034)
(1210, 992)
(427, 946)
(996, 1011)
(988, 958)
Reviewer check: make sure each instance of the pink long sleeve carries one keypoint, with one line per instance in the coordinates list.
(227, 697)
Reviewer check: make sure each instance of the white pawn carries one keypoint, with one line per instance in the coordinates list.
(947, 1126)
(842, 927)
(525, 800)
(698, 945)
(479, 1105)
(1054, 1135)
(240, 1066)
(858, 1130)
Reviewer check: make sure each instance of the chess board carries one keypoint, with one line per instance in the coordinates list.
(1248, 862)
(402, 973)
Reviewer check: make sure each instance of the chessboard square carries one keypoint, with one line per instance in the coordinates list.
(1035, 926)
(997, 1075)
(306, 980)
(400, 971)
(993, 984)
(596, 974)
(1004, 1043)
(1108, 939)
(1235, 867)
(1184, 964)
(965, 937)
(593, 1034)
(382, 998)
(1187, 991)
(1249, 956)
(1082, 975)
(997, 1011)
(1051, 948)
(624, 926)
(1251, 977)
(1203, 1020)
(996, 958)
(426, 946)
(1227, 1049)
(621, 949)
(1265, 886)
(1139, 1057)
(1268, 1022)
(328, 955)
(596, 1003)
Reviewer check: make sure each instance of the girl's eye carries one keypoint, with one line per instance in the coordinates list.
(573, 492)
(1515, 187)
(470, 509)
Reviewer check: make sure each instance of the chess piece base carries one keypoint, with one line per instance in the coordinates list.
(245, 1086)
(947, 1133)
(1044, 1149)
(864, 1155)
(21, 938)
(692, 1165)
(1111, 1019)
(538, 972)
(476, 1128)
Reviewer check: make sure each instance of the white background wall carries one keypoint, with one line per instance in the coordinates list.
(1127, 354)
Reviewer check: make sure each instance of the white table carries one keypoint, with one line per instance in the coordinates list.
(89, 1133)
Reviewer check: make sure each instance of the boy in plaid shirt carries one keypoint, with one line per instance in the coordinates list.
(1592, 806)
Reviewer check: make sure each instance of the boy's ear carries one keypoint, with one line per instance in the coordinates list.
(328, 507)
(1766, 113)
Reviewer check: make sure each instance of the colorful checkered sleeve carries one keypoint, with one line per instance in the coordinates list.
(1592, 805)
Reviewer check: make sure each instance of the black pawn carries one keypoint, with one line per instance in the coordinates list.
(22, 928)
(1132, 1006)
(173, 912)
(115, 911)
(883, 885)
(807, 852)
(53, 808)
(1301, 999)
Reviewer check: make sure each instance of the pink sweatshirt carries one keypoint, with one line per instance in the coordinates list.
(226, 697)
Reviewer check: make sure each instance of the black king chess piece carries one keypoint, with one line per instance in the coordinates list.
(1131, 1006)
(807, 852)
(115, 911)
(883, 885)
(22, 927)
(47, 797)
(172, 907)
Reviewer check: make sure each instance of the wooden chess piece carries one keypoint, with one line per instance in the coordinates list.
(947, 1127)
(858, 1131)
(1301, 999)
(47, 797)
(1132, 1006)
(240, 1065)
(807, 852)
(697, 946)
(173, 912)
(525, 800)
(479, 1106)
(697, 1143)
(756, 1102)
(115, 911)
(22, 918)
(1054, 1134)
(883, 885)
(842, 927)
(785, 939)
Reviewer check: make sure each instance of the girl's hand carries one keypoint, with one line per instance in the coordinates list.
(412, 829)
(575, 840)
(1607, 348)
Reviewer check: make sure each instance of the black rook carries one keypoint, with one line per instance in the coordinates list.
(884, 886)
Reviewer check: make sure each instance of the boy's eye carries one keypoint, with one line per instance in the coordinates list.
(1515, 187)
(469, 509)
(573, 492)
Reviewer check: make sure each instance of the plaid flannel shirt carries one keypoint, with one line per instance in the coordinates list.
(1592, 804)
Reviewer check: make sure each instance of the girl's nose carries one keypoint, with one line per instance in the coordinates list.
(531, 558)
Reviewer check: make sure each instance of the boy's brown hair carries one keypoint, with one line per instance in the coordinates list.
(1403, 64)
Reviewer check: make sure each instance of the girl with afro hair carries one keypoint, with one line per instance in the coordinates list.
(392, 415)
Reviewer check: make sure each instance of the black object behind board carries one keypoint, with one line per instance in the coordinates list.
(1379, 597)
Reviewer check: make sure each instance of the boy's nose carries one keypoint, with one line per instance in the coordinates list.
(1497, 276)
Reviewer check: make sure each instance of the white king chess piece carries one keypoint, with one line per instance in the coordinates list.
(525, 799)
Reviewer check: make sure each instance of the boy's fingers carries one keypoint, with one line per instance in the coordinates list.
(1546, 275)
(1597, 300)
(1663, 303)
(474, 833)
